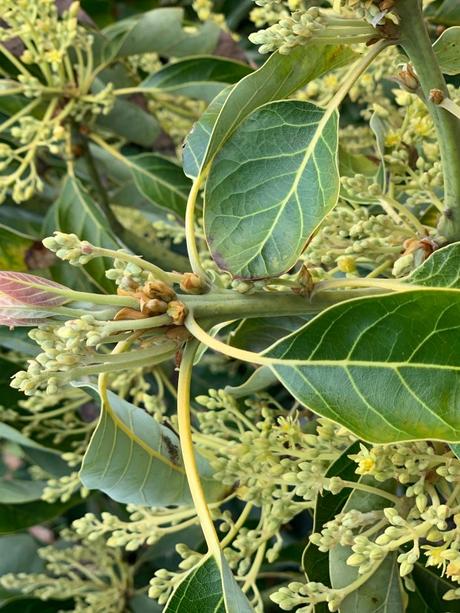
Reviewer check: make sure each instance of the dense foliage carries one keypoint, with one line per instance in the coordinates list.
(230, 306)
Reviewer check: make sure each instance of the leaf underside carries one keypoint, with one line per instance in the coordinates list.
(270, 186)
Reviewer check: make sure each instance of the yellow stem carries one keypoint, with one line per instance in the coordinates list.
(188, 453)
(190, 234)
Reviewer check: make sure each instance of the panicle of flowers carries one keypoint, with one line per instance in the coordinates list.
(145, 526)
(352, 237)
(424, 520)
(306, 24)
(90, 572)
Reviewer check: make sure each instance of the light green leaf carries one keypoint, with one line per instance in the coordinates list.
(208, 589)
(14, 491)
(349, 360)
(76, 212)
(13, 250)
(197, 141)
(260, 379)
(134, 459)
(270, 186)
(382, 592)
(441, 269)
(160, 181)
(200, 77)
(379, 127)
(278, 78)
(159, 31)
(447, 50)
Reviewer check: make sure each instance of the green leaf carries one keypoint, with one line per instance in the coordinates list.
(13, 250)
(207, 589)
(76, 212)
(134, 459)
(258, 333)
(270, 186)
(16, 517)
(278, 78)
(200, 77)
(351, 358)
(260, 379)
(447, 50)
(315, 563)
(430, 590)
(160, 181)
(132, 122)
(456, 449)
(20, 221)
(14, 491)
(445, 12)
(381, 593)
(159, 31)
(441, 269)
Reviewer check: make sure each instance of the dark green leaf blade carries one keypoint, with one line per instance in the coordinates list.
(270, 186)
(76, 212)
(354, 356)
(160, 181)
(200, 77)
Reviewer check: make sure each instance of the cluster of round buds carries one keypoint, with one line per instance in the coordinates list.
(372, 10)
(341, 530)
(70, 248)
(289, 32)
(304, 596)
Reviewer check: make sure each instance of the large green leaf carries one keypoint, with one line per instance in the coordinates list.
(447, 49)
(441, 269)
(278, 78)
(76, 212)
(208, 589)
(348, 361)
(270, 186)
(159, 31)
(201, 77)
(134, 459)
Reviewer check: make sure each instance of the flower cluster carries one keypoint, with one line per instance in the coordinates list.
(89, 572)
(302, 26)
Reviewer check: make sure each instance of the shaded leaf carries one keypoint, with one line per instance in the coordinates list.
(134, 459)
(430, 590)
(76, 212)
(278, 78)
(260, 379)
(447, 50)
(351, 358)
(200, 77)
(258, 333)
(131, 122)
(16, 517)
(160, 181)
(445, 12)
(270, 186)
(13, 250)
(159, 31)
(14, 491)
